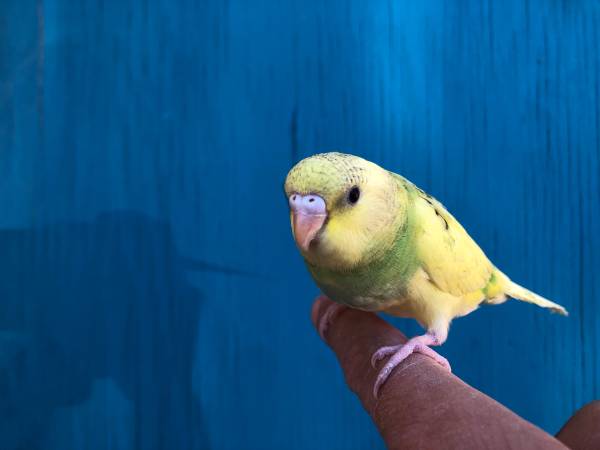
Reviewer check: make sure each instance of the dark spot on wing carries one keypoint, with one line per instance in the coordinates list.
(427, 198)
(441, 217)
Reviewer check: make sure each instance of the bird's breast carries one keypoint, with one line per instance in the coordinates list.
(367, 289)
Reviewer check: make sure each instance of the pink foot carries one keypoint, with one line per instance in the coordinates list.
(401, 352)
(328, 316)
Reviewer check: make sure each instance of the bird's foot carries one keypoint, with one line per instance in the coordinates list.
(401, 352)
(328, 316)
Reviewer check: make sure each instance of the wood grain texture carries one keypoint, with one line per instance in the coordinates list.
(151, 295)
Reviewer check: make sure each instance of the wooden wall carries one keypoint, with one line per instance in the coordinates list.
(151, 296)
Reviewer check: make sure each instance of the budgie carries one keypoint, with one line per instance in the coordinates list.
(374, 241)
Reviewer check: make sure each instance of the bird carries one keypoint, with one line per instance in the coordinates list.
(374, 241)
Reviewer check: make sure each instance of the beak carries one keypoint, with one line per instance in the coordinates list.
(308, 217)
(306, 228)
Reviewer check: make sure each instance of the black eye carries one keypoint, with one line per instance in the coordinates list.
(354, 195)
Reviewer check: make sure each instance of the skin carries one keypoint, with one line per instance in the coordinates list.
(392, 248)
(457, 416)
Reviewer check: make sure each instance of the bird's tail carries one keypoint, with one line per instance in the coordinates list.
(518, 292)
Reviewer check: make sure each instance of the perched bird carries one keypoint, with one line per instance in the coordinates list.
(374, 241)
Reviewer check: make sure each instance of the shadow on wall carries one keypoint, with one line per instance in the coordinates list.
(82, 302)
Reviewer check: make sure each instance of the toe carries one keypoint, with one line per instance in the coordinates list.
(434, 355)
(323, 325)
(315, 312)
(381, 378)
(446, 365)
(384, 374)
(327, 318)
(402, 352)
(383, 352)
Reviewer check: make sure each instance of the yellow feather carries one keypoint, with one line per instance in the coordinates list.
(453, 260)
(454, 270)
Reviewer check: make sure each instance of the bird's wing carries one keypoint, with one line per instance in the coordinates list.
(449, 256)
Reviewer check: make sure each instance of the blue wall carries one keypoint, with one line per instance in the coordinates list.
(151, 296)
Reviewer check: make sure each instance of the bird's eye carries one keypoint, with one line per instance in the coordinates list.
(354, 195)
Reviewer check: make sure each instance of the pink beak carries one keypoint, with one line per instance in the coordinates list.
(308, 216)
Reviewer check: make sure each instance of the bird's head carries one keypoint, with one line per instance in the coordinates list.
(344, 210)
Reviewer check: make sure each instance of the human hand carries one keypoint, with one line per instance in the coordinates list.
(422, 405)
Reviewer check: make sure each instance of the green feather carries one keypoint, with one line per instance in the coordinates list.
(372, 285)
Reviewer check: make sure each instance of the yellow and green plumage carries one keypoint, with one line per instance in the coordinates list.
(396, 249)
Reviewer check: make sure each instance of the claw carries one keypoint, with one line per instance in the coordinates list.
(383, 352)
(327, 318)
(400, 353)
